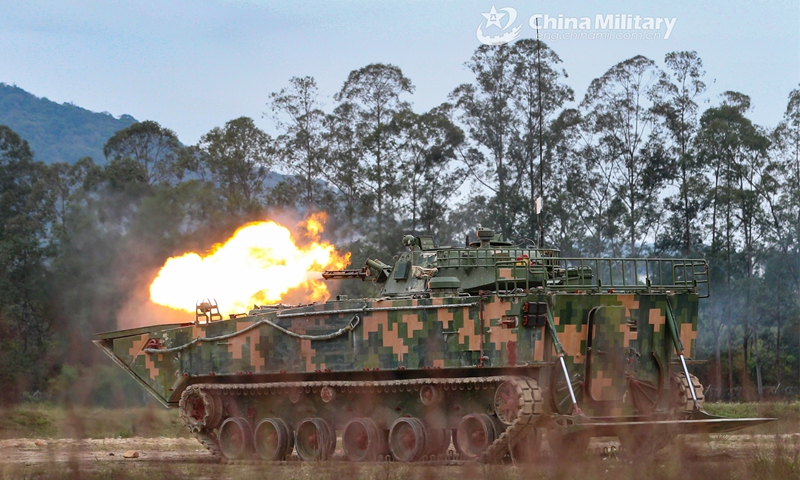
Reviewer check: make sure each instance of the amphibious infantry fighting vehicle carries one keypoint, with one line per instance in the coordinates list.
(486, 348)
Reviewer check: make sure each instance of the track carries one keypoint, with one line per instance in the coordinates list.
(519, 407)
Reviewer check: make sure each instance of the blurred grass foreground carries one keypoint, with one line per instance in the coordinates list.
(90, 416)
(49, 419)
(770, 451)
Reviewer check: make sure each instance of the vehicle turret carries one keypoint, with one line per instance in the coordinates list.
(490, 263)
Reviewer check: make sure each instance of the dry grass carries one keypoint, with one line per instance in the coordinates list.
(36, 420)
(787, 413)
(50, 421)
(782, 461)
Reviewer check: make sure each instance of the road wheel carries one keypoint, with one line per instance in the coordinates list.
(315, 439)
(363, 441)
(408, 439)
(236, 438)
(273, 439)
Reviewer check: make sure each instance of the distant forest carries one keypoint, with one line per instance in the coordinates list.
(636, 169)
(57, 132)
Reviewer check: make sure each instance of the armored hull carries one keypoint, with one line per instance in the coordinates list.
(485, 348)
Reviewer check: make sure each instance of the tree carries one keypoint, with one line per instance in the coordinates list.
(426, 150)
(567, 179)
(239, 157)
(591, 182)
(344, 165)
(517, 127)
(298, 113)
(373, 93)
(735, 149)
(148, 149)
(676, 107)
(487, 111)
(538, 97)
(785, 172)
(63, 180)
(627, 146)
(779, 190)
(24, 323)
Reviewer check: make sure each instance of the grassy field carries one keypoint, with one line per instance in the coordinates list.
(788, 415)
(56, 421)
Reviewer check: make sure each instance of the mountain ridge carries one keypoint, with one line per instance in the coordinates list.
(58, 132)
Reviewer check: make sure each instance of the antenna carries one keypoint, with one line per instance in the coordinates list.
(540, 200)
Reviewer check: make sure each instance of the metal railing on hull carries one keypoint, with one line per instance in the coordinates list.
(603, 274)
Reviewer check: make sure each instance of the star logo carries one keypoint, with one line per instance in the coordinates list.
(493, 18)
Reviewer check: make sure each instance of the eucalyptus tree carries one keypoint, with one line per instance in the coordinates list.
(735, 149)
(538, 97)
(298, 114)
(779, 315)
(344, 166)
(426, 146)
(373, 96)
(239, 157)
(487, 110)
(592, 182)
(145, 151)
(676, 107)
(785, 209)
(569, 213)
(780, 191)
(627, 145)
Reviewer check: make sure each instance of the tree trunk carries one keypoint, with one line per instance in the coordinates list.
(501, 193)
(778, 365)
(730, 365)
(380, 202)
(714, 212)
(758, 366)
(309, 178)
(687, 234)
(746, 387)
(633, 227)
(414, 208)
(717, 361)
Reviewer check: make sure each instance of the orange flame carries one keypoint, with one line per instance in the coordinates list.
(259, 264)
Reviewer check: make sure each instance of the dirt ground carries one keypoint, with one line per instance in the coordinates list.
(32, 451)
(185, 458)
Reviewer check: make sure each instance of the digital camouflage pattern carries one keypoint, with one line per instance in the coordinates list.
(419, 337)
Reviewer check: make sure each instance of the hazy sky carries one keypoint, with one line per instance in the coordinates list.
(193, 65)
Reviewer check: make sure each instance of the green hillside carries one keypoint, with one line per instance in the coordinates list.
(57, 132)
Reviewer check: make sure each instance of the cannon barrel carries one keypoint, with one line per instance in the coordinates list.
(371, 268)
(361, 273)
